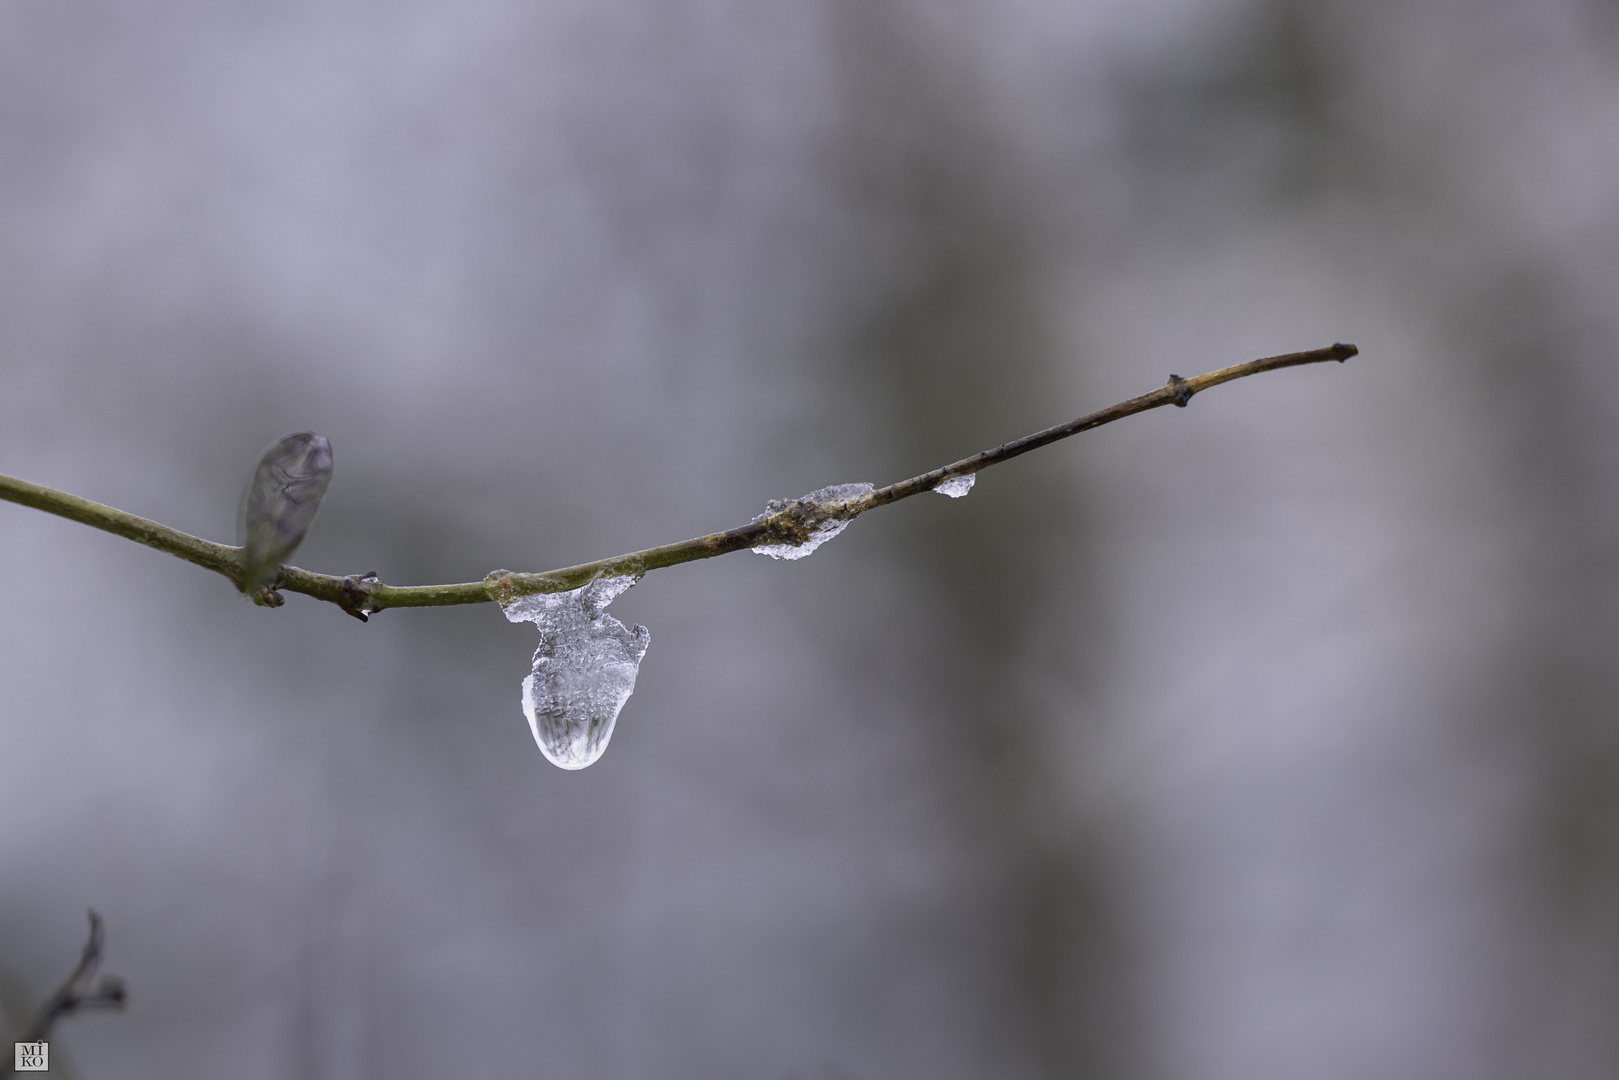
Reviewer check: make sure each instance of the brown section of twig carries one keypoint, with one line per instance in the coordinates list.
(78, 994)
(1177, 391)
(362, 595)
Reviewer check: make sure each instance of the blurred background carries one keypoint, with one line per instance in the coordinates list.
(1267, 738)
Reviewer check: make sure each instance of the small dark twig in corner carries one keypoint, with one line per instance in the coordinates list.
(77, 994)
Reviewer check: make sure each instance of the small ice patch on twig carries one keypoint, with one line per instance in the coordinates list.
(821, 526)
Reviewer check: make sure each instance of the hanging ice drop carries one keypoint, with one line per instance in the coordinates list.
(822, 529)
(956, 486)
(584, 670)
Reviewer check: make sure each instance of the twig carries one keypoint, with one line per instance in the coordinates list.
(361, 594)
(76, 994)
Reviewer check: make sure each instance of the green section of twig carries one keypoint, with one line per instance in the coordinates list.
(220, 558)
(791, 525)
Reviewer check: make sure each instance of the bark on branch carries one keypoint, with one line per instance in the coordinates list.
(361, 594)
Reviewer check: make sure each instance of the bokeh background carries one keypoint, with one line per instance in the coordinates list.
(1268, 738)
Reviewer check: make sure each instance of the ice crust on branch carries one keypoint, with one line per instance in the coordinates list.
(820, 524)
(281, 501)
(584, 670)
(956, 486)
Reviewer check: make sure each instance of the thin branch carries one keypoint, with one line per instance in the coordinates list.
(220, 558)
(77, 994)
(792, 525)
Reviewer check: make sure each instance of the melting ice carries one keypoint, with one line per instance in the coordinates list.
(821, 531)
(956, 486)
(584, 670)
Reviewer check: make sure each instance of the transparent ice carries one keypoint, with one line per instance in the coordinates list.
(956, 486)
(821, 531)
(280, 503)
(584, 670)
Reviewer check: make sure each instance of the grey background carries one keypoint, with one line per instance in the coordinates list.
(1267, 738)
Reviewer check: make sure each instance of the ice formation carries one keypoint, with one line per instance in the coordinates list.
(820, 531)
(956, 486)
(584, 670)
(280, 503)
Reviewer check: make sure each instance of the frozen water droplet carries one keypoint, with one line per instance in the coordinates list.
(584, 670)
(821, 529)
(280, 503)
(956, 486)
